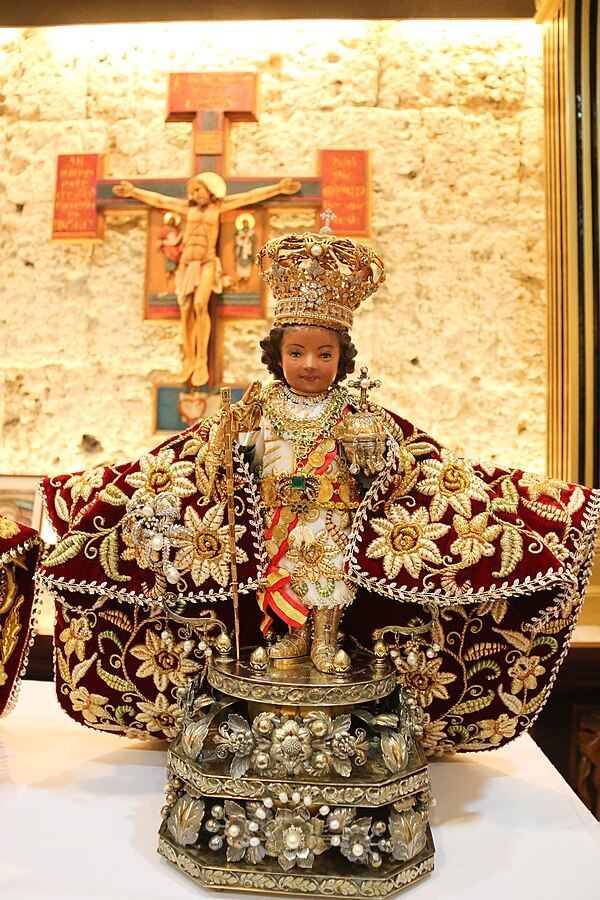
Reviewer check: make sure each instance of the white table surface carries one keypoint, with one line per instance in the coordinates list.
(80, 811)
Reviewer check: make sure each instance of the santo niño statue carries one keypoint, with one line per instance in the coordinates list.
(348, 518)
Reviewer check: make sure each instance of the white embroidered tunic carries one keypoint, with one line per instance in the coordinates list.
(308, 502)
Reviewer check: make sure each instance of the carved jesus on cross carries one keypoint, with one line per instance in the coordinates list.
(195, 276)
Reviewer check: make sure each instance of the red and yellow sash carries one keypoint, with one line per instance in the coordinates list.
(274, 596)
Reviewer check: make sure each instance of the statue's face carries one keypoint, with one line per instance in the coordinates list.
(198, 192)
(309, 358)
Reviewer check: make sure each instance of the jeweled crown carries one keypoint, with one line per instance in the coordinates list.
(319, 279)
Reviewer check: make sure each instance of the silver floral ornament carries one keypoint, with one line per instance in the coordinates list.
(185, 820)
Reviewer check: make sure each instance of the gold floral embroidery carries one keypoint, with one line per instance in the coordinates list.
(425, 679)
(312, 554)
(206, 447)
(434, 738)
(160, 716)
(82, 485)
(164, 660)
(204, 546)
(91, 706)
(497, 730)
(10, 622)
(450, 482)
(8, 528)
(161, 473)
(542, 486)
(474, 538)
(99, 689)
(406, 540)
(75, 636)
(524, 673)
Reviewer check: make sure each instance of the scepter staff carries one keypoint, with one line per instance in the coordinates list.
(228, 442)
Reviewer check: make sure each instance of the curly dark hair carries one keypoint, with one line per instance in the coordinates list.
(271, 353)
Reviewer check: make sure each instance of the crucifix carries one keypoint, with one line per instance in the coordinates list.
(196, 269)
(199, 221)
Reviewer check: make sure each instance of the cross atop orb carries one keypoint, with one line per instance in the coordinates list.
(364, 384)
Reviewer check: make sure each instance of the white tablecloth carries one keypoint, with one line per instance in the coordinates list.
(80, 810)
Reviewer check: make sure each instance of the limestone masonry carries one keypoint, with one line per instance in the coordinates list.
(453, 116)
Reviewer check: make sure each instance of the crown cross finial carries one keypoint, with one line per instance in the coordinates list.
(319, 279)
(328, 216)
(364, 384)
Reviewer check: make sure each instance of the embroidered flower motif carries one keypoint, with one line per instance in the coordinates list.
(160, 716)
(204, 544)
(75, 636)
(424, 678)
(451, 482)
(83, 484)
(542, 486)
(474, 538)
(312, 556)
(524, 673)
(497, 730)
(91, 706)
(434, 738)
(8, 528)
(406, 540)
(164, 660)
(159, 474)
(294, 838)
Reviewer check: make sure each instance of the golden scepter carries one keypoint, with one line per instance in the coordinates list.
(228, 442)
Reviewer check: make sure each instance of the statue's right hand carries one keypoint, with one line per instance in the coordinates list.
(123, 189)
(248, 411)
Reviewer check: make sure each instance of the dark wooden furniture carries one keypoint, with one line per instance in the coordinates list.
(568, 728)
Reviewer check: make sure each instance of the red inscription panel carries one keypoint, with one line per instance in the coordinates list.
(75, 213)
(345, 188)
(192, 92)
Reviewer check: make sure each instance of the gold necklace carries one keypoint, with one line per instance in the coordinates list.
(303, 399)
(302, 432)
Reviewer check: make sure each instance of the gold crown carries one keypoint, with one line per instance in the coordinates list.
(319, 279)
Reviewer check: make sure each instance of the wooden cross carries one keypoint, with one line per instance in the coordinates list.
(212, 102)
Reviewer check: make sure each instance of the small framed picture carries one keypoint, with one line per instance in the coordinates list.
(20, 499)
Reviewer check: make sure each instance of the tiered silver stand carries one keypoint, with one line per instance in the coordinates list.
(289, 781)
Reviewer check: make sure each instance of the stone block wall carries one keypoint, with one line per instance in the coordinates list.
(452, 114)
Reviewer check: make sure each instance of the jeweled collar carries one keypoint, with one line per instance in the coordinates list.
(303, 399)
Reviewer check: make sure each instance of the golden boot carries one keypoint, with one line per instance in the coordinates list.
(324, 653)
(295, 643)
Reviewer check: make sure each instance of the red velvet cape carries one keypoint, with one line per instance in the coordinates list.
(19, 549)
(503, 558)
